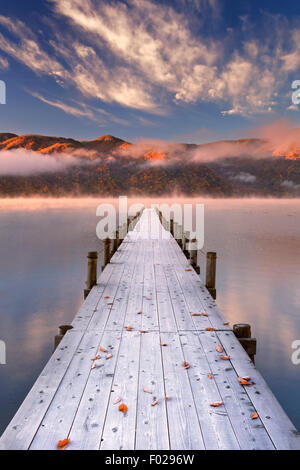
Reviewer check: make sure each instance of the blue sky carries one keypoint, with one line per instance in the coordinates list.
(180, 70)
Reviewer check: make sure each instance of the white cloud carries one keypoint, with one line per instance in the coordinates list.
(145, 55)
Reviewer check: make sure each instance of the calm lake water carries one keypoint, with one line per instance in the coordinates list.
(43, 247)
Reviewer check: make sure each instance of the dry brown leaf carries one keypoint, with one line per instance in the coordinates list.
(96, 358)
(226, 323)
(102, 349)
(219, 348)
(217, 404)
(188, 270)
(243, 381)
(254, 416)
(128, 328)
(147, 391)
(63, 444)
(154, 403)
(139, 313)
(196, 314)
(225, 358)
(110, 303)
(163, 344)
(166, 398)
(117, 400)
(186, 365)
(109, 356)
(143, 331)
(204, 314)
(123, 408)
(247, 378)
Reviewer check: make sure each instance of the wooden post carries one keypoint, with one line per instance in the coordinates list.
(243, 332)
(91, 275)
(186, 239)
(194, 257)
(106, 253)
(211, 266)
(179, 235)
(62, 330)
(172, 227)
(116, 242)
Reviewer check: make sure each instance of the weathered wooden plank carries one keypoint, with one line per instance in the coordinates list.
(119, 428)
(152, 425)
(23, 427)
(250, 433)
(279, 427)
(166, 316)
(58, 420)
(184, 428)
(149, 314)
(217, 429)
(88, 424)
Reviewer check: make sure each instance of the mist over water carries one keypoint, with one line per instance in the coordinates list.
(43, 248)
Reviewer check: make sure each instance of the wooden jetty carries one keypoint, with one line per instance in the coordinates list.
(159, 356)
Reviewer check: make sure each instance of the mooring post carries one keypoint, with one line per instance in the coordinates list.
(211, 266)
(115, 242)
(194, 256)
(106, 252)
(172, 227)
(243, 332)
(179, 235)
(62, 330)
(91, 275)
(186, 240)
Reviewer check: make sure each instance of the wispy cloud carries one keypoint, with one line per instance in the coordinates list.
(74, 111)
(145, 55)
(3, 63)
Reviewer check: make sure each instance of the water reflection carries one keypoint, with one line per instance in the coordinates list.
(43, 245)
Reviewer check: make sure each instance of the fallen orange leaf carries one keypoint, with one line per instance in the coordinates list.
(63, 444)
(247, 378)
(154, 403)
(204, 314)
(109, 356)
(93, 365)
(189, 270)
(219, 349)
(209, 376)
(225, 358)
(186, 365)
(140, 313)
(128, 328)
(143, 331)
(123, 408)
(254, 416)
(210, 329)
(243, 381)
(96, 358)
(217, 404)
(102, 349)
(106, 297)
(163, 344)
(147, 391)
(196, 314)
